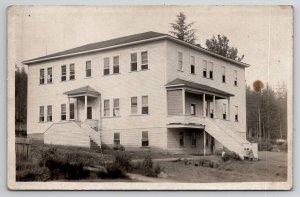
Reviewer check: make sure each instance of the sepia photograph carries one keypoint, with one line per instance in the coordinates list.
(150, 97)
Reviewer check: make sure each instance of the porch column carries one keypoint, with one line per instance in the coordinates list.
(85, 107)
(183, 101)
(204, 142)
(228, 108)
(203, 99)
(214, 106)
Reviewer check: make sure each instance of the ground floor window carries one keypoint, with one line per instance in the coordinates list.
(49, 113)
(41, 118)
(63, 113)
(193, 139)
(117, 140)
(145, 138)
(72, 111)
(181, 138)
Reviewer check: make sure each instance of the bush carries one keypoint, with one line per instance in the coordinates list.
(123, 161)
(147, 168)
(33, 174)
(265, 146)
(119, 147)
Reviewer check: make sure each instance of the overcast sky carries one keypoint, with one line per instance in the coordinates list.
(263, 34)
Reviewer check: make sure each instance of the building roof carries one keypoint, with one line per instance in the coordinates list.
(189, 84)
(126, 41)
(82, 90)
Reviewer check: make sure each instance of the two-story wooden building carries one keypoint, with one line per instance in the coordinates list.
(143, 91)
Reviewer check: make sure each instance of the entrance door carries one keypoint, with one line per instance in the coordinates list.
(89, 113)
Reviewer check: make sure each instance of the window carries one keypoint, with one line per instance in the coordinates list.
(89, 114)
(72, 111)
(106, 108)
(42, 76)
(117, 140)
(181, 138)
(63, 113)
(49, 75)
(41, 114)
(179, 61)
(72, 71)
(204, 68)
(133, 105)
(106, 66)
(145, 139)
(235, 77)
(192, 65)
(116, 108)
(223, 74)
(211, 109)
(224, 111)
(145, 108)
(193, 139)
(116, 65)
(133, 62)
(211, 72)
(88, 69)
(193, 109)
(144, 60)
(49, 113)
(63, 73)
(236, 113)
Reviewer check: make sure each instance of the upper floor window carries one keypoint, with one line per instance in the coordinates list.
(192, 64)
(236, 113)
(144, 60)
(204, 68)
(235, 78)
(211, 70)
(49, 113)
(116, 64)
(49, 75)
(145, 108)
(133, 62)
(41, 117)
(116, 108)
(88, 69)
(145, 138)
(72, 111)
(223, 74)
(106, 108)
(72, 71)
(193, 109)
(42, 76)
(106, 66)
(179, 66)
(63, 73)
(224, 111)
(134, 105)
(63, 112)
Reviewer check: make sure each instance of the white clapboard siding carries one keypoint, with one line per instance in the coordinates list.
(67, 133)
(94, 135)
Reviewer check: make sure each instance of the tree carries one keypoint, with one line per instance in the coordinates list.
(182, 30)
(220, 45)
(20, 98)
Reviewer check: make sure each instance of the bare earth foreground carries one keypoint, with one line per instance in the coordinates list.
(271, 167)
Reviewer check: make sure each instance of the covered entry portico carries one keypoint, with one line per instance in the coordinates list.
(84, 105)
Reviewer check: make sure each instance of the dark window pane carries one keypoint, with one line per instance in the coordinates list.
(224, 116)
(145, 143)
(133, 66)
(116, 69)
(106, 71)
(145, 110)
(211, 74)
(144, 66)
(192, 69)
(223, 79)
(204, 73)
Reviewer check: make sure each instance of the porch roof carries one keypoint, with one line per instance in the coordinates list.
(189, 84)
(83, 91)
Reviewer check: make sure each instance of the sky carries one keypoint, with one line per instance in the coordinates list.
(264, 34)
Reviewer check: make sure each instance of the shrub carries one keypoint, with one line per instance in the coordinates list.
(33, 174)
(147, 168)
(123, 161)
(119, 147)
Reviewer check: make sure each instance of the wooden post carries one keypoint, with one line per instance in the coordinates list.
(204, 144)
(85, 107)
(214, 106)
(183, 101)
(203, 99)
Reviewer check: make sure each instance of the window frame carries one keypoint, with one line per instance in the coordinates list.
(211, 70)
(194, 139)
(235, 78)
(49, 115)
(236, 115)
(145, 139)
(63, 74)
(63, 112)
(116, 65)
(181, 139)
(223, 74)
(224, 111)
(42, 76)
(204, 70)
(72, 73)
(193, 71)
(135, 106)
(88, 71)
(49, 77)
(134, 64)
(106, 108)
(145, 105)
(115, 134)
(106, 66)
(72, 112)
(41, 114)
(193, 109)
(116, 108)
(179, 61)
(144, 65)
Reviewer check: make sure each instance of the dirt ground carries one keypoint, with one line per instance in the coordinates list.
(272, 166)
